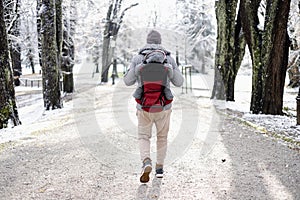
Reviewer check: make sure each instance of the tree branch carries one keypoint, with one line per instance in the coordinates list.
(109, 12)
(116, 9)
(123, 13)
(15, 18)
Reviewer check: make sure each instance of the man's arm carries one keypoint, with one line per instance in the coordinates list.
(177, 78)
(130, 76)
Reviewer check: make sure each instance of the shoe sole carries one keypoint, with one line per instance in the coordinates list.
(159, 175)
(145, 175)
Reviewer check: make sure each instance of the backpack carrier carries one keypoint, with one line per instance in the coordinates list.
(154, 75)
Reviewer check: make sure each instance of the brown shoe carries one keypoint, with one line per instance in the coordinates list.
(146, 170)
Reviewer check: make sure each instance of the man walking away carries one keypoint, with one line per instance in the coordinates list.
(153, 69)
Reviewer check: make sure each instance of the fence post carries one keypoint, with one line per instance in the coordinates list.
(187, 70)
(298, 107)
(182, 84)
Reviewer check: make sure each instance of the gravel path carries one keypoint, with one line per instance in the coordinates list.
(91, 153)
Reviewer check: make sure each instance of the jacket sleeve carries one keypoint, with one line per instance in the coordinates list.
(177, 78)
(130, 76)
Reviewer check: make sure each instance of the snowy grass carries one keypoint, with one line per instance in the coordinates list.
(283, 126)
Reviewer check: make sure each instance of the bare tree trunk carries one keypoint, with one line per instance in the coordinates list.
(29, 46)
(69, 49)
(67, 67)
(59, 31)
(39, 26)
(230, 50)
(13, 23)
(106, 50)
(253, 37)
(8, 108)
(221, 51)
(275, 57)
(51, 89)
(112, 26)
(31, 62)
(238, 55)
(269, 52)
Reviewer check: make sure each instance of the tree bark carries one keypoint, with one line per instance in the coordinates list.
(68, 63)
(253, 36)
(16, 49)
(112, 26)
(269, 52)
(106, 50)
(230, 50)
(13, 22)
(59, 31)
(8, 108)
(221, 51)
(275, 57)
(39, 26)
(69, 49)
(51, 89)
(238, 55)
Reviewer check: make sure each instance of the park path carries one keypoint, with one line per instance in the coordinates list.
(90, 152)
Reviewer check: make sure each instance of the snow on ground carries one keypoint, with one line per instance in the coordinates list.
(283, 127)
(33, 116)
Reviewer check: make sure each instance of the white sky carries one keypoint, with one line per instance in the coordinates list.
(145, 11)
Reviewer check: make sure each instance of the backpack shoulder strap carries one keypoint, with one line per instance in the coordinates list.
(143, 51)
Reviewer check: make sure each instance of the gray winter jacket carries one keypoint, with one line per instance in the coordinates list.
(175, 76)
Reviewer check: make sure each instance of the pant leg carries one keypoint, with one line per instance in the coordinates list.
(162, 123)
(145, 124)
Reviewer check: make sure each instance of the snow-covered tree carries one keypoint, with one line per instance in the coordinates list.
(113, 21)
(68, 48)
(12, 18)
(28, 34)
(8, 108)
(59, 31)
(96, 47)
(39, 29)
(125, 44)
(50, 66)
(194, 23)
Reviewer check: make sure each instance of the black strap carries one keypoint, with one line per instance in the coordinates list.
(153, 49)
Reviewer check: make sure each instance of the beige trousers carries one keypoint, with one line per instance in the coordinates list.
(145, 124)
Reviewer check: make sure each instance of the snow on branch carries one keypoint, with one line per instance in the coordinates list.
(15, 18)
(11, 25)
(43, 8)
(123, 13)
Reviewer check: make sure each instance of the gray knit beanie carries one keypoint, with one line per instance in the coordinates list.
(154, 37)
